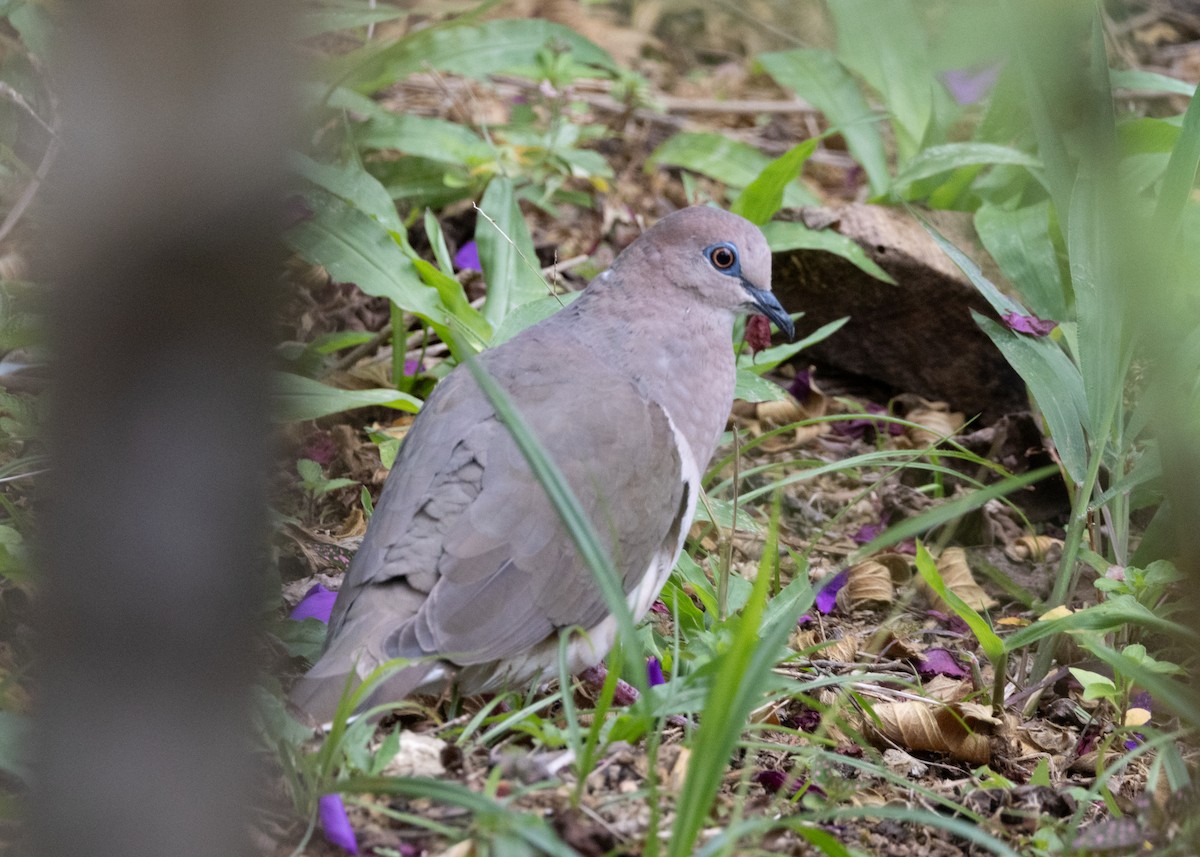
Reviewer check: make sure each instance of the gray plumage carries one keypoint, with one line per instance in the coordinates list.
(628, 389)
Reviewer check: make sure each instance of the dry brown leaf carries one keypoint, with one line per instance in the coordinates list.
(868, 584)
(956, 573)
(943, 688)
(458, 849)
(935, 425)
(675, 779)
(420, 755)
(1034, 549)
(842, 651)
(954, 729)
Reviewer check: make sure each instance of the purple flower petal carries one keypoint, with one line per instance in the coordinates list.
(939, 662)
(968, 85)
(317, 603)
(321, 448)
(867, 532)
(336, 824)
(827, 597)
(771, 781)
(654, 673)
(467, 257)
(1029, 324)
(660, 608)
(801, 386)
(1134, 741)
(1142, 700)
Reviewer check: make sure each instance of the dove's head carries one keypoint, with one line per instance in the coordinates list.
(720, 257)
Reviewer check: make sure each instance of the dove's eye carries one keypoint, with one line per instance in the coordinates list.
(723, 257)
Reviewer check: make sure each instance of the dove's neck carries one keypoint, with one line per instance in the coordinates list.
(680, 355)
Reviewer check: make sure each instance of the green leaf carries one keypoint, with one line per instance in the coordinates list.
(750, 387)
(992, 645)
(819, 78)
(783, 236)
(330, 343)
(769, 358)
(510, 264)
(886, 44)
(1140, 80)
(300, 398)
(951, 156)
(759, 201)
(1020, 241)
(1180, 177)
(1055, 384)
(730, 162)
(353, 184)
(425, 137)
(471, 50)
(454, 299)
(330, 18)
(1106, 616)
(357, 249)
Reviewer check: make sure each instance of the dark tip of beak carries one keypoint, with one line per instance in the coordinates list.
(769, 305)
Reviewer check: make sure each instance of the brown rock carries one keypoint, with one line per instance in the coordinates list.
(917, 336)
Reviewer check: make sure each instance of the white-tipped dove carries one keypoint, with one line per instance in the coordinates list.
(466, 563)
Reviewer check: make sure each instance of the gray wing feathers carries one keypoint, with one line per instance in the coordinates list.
(469, 558)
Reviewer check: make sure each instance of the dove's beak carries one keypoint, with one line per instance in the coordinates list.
(763, 301)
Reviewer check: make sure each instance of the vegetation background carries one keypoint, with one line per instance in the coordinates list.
(877, 643)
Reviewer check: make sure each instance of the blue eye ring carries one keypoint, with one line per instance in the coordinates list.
(723, 257)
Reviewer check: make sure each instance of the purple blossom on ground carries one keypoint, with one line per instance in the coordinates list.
(336, 824)
(1142, 700)
(949, 622)
(939, 662)
(806, 719)
(320, 447)
(827, 597)
(467, 257)
(805, 619)
(654, 673)
(1029, 324)
(625, 694)
(317, 603)
(866, 428)
(776, 781)
(968, 85)
(868, 532)
(758, 333)
(660, 607)
(801, 386)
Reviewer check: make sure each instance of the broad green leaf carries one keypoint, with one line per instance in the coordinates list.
(782, 236)
(353, 184)
(769, 358)
(300, 398)
(1110, 615)
(437, 241)
(357, 249)
(730, 162)
(1103, 344)
(1000, 302)
(753, 388)
(1056, 385)
(1021, 243)
(510, 264)
(886, 44)
(419, 182)
(425, 137)
(331, 17)
(458, 308)
(1180, 178)
(1140, 80)
(951, 156)
(471, 50)
(819, 78)
(759, 201)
